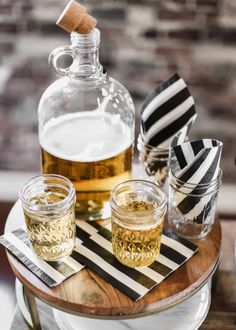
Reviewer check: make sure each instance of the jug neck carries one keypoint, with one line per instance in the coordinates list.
(86, 63)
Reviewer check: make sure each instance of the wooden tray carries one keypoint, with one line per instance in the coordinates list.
(89, 295)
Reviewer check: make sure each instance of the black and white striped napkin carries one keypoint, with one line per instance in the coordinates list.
(94, 249)
(166, 111)
(196, 163)
(96, 252)
(51, 273)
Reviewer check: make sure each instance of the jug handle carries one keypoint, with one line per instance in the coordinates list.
(55, 55)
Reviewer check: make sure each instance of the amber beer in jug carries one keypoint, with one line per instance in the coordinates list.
(86, 126)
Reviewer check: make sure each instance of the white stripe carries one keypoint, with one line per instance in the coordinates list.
(119, 276)
(42, 265)
(78, 241)
(207, 143)
(177, 246)
(103, 242)
(75, 265)
(167, 262)
(169, 118)
(188, 152)
(164, 96)
(149, 272)
(86, 227)
(108, 226)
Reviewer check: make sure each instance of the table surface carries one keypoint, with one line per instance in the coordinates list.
(86, 293)
(222, 314)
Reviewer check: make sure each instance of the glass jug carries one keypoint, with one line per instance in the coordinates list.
(86, 126)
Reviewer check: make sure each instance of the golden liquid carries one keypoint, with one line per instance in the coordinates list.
(136, 247)
(52, 237)
(93, 181)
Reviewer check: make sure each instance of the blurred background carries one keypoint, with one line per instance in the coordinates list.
(143, 43)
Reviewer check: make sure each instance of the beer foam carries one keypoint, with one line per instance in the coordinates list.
(86, 136)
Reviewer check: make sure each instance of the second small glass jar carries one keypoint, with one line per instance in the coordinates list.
(137, 213)
(154, 160)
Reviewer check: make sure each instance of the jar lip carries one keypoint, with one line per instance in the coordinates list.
(150, 147)
(160, 209)
(26, 186)
(92, 37)
(172, 176)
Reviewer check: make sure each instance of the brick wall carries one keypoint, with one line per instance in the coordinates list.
(143, 42)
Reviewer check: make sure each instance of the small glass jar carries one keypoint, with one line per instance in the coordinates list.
(137, 213)
(48, 203)
(191, 207)
(155, 162)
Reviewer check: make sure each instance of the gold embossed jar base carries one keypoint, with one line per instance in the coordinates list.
(48, 203)
(138, 209)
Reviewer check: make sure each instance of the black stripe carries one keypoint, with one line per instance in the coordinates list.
(186, 176)
(173, 128)
(160, 268)
(180, 156)
(160, 89)
(106, 233)
(172, 254)
(189, 202)
(106, 276)
(166, 108)
(62, 268)
(59, 266)
(181, 240)
(81, 233)
(110, 258)
(95, 225)
(28, 263)
(197, 146)
(206, 210)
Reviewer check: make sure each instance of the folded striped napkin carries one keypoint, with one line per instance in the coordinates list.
(96, 252)
(168, 110)
(94, 249)
(196, 163)
(51, 273)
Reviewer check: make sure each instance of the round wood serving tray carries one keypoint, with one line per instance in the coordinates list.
(87, 294)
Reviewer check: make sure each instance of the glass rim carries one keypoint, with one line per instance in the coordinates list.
(40, 178)
(91, 40)
(160, 209)
(150, 147)
(172, 176)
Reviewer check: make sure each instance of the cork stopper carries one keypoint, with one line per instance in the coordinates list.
(75, 18)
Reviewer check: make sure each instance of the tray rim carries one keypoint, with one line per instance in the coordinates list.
(38, 293)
